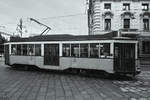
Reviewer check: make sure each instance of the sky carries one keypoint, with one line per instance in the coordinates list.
(47, 12)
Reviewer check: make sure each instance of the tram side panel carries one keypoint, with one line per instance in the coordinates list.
(26, 60)
(87, 63)
(65, 63)
(34, 60)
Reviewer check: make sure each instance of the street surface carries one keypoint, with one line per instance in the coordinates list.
(47, 85)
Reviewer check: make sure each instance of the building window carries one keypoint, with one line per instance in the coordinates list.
(107, 6)
(66, 50)
(75, 50)
(146, 24)
(126, 6)
(126, 23)
(84, 50)
(37, 49)
(146, 47)
(94, 50)
(104, 50)
(145, 6)
(107, 24)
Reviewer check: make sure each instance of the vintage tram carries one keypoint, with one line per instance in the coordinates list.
(107, 53)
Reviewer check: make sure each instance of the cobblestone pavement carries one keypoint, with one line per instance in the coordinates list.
(40, 85)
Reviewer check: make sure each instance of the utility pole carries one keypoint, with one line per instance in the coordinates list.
(20, 26)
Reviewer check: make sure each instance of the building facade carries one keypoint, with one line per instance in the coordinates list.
(131, 17)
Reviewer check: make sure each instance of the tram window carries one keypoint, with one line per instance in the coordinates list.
(13, 49)
(66, 50)
(84, 50)
(24, 49)
(75, 50)
(18, 49)
(31, 49)
(94, 50)
(104, 50)
(37, 49)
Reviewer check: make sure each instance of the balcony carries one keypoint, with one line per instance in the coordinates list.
(145, 14)
(145, 9)
(135, 32)
(108, 13)
(128, 30)
(144, 33)
(127, 13)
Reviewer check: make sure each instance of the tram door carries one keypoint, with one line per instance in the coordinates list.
(6, 54)
(51, 54)
(124, 57)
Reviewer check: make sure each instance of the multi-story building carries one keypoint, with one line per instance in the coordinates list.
(131, 17)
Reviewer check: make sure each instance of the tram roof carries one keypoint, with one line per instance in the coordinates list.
(64, 37)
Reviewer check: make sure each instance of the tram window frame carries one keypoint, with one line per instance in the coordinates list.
(19, 49)
(73, 53)
(24, 49)
(31, 47)
(84, 50)
(13, 49)
(105, 50)
(37, 49)
(93, 47)
(66, 50)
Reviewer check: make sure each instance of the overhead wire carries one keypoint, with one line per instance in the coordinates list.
(53, 17)
(65, 16)
(45, 18)
(71, 15)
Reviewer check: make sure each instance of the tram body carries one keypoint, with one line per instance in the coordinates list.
(113, 55)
